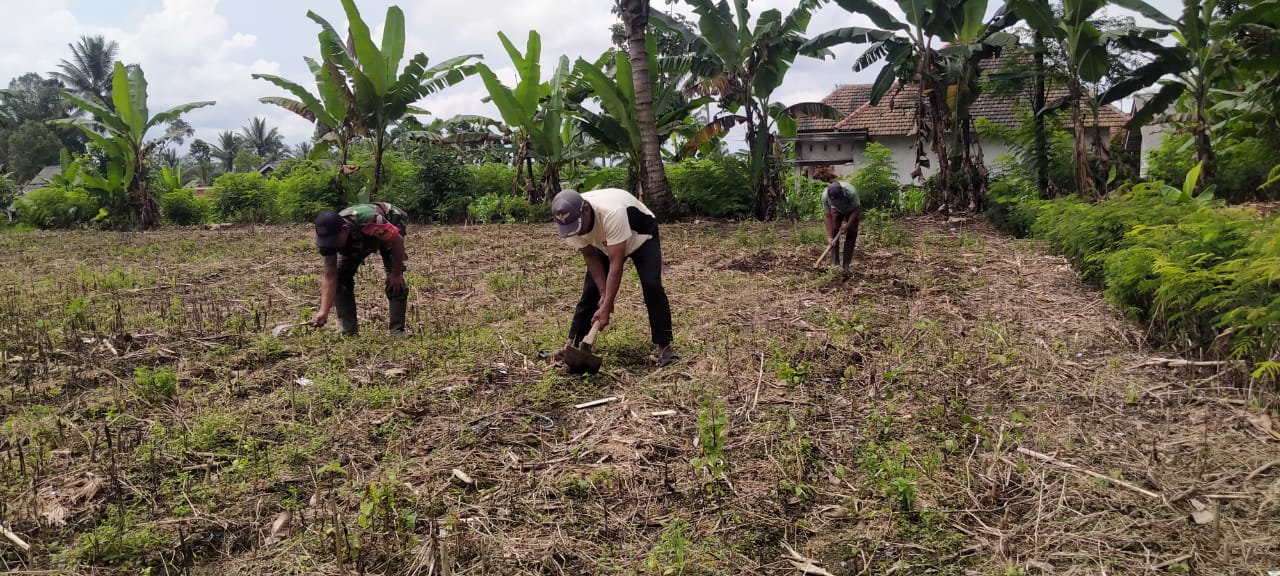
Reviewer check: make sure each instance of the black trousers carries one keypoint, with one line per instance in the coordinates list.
(397, 300)
(648, 261)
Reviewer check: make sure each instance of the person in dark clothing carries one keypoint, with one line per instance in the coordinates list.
(345, 239)
(609, 226)
(842, 212)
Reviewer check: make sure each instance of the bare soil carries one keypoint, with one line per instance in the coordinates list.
(961, 405)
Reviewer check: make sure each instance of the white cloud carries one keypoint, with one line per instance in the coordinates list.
(208, 49)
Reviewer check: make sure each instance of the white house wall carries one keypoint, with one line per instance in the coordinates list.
(904, 155)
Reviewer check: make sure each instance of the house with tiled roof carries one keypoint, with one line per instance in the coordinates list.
(891, 122)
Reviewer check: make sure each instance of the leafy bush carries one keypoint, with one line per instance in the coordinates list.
(436, 186)
(56, 207)
(1021, 163)
(607, 177)
(1013, 205)
(182, 208)
(877, 180)
(716, 187)
(1241, 165)
(304, 188)
(1195, 273)
(491, 179)
(802, 198)
(912, 200)
(244, 197)
(8, 191)
(507, 209)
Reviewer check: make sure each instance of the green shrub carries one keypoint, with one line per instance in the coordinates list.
(1241, 165)
(1195, 274)
(491, 179)
(244, 197)
(153, 385)
(716, 187)
(1085, 232)
(1013, 205)
(507, 209)
(433, 184)
(180, 207)
(8, 191)
(607, 177)
(912, 199)
(56, 207)
(877, 180)
(801, 198)
(304, 188)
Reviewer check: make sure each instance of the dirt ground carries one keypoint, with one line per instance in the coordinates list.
(961, 405)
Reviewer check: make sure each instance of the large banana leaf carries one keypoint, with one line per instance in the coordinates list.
(1147, 10)
(306, 105)
(718, 30)
(1168, 94)
(878, 15)
(373, 65)
(711, 131)
(849, 35)
(173, 114)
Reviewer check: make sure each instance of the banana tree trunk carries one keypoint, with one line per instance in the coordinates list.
(550, 181)
(657, 192)
(1204, 147)
(150, 212)
(379, 148)
(1079, 150)
(1040, 148)
(1101, 151)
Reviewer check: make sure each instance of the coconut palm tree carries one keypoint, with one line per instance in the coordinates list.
(266, 143)
(228, 147)
(89, 72)
(656, 191)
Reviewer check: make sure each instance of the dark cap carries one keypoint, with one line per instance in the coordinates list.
(835, 190)
(328, 229)
(566, 208)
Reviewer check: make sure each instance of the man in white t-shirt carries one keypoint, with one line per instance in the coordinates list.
(608, 226)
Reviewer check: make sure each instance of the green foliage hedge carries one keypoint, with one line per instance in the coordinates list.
(1196, 274)
(877, 180)
(718, 187)
(244, 197)
(182, 208)
(1240, 166)
(56, 207)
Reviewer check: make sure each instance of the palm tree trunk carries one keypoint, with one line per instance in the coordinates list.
(1040, 147)
(657, 192)
(1079, 150)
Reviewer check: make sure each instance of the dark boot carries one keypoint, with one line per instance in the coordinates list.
(346, 305)
(835, 254)
(398, 304)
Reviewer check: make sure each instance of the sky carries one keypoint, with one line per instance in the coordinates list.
(194, 50)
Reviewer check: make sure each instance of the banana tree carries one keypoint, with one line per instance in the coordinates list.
(1085, 48)
(742, 65)
(534, 110)
(617, 127)
(1197, 64)
(946, 80)
(363, 90)
(327, 109)
(121, 135)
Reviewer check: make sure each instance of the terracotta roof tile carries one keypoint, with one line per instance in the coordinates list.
(846, 98)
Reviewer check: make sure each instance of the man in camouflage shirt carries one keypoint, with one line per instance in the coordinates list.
(345, 239)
